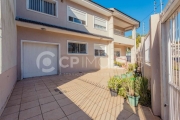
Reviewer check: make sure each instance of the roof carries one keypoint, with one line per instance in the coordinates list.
(59, 27)
(127, 15)
(116, 10)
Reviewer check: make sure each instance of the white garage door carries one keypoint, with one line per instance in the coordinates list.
(39, 59)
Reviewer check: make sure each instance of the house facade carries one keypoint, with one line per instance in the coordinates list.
(77, 36)
(47, 37)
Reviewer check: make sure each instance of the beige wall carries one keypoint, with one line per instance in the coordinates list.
(123, 52)
(155, 64)
(44, 36)
(61, 20)
(8, 51)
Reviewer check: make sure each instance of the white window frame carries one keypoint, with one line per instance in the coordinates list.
(56, 16)
(100, 19)
(79, 11)
(72, 41)
(105, 50)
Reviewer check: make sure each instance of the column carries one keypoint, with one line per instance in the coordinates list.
(111, 43)
(133, 49)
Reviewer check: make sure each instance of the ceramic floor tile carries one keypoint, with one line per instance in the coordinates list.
(49, 106)
(29, 99)
(11, 110)
(29, 105)
(13, 116)
(55, 114)
(69, 109)
(13, 102)
(46, 100)
(80, 115)
(63, 102)
(29, 113)
(39, 117)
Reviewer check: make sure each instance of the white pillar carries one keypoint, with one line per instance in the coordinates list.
(133, 49)
(111, 43)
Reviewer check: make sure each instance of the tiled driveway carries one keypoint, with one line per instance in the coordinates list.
(81, 97)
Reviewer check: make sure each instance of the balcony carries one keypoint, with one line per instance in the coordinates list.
(121, 39)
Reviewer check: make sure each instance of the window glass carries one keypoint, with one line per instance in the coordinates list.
(77, 48)
(117, 53)
(43, 6)
(100, 23)
(99, 50)
(76, 16)
(77, 20)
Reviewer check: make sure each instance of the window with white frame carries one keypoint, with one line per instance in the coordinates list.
(77, 47)
(100, 23)
(99, 50)
(44, 6)
(147, 49)
(76, 16)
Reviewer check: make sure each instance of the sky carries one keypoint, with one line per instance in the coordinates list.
(138, 9)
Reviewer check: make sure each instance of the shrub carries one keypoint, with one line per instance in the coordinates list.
(144, 92)
(118, 64)
(113, 83)
(131, 67)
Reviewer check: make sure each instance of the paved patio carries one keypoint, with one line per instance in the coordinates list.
(71, 97)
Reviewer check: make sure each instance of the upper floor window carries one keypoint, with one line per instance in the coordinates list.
(44, 6)
(76, 16)
(100, 24)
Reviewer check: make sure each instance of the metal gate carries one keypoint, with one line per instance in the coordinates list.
(174, 67)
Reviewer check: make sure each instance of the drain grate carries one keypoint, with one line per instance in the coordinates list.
(56, 90)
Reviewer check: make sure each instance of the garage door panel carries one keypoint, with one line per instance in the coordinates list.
(39, 59)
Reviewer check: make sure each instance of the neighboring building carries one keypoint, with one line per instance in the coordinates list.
(38, 34)
(68, 29)
(163, 59)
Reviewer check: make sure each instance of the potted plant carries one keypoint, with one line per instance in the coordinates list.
(113, 84)
(133, 91)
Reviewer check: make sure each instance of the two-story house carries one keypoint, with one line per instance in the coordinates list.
(70, 36)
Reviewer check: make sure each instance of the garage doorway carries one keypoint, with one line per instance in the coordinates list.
(39, 59)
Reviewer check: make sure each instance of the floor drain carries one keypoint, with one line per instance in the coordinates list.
(56, 90)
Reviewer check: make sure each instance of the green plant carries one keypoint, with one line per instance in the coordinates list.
(130, 67)
(136, 65)
(123, 87)
(118, 64)
(144, 92)
(133, 86)
(113, 83)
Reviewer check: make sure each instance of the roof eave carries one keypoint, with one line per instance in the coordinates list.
(131, 18)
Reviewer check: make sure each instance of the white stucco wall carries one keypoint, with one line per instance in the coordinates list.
(8, 51)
